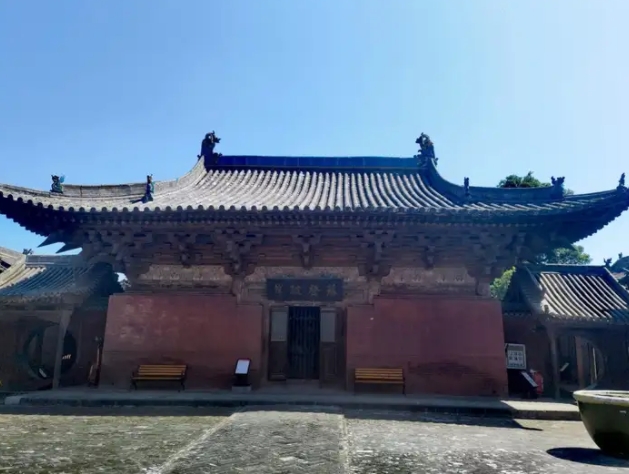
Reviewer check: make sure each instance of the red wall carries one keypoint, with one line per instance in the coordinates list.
(206, 332)
(446, 345)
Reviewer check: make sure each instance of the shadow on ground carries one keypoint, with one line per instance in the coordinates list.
(594, 457)
(442, 418)
(174, 411)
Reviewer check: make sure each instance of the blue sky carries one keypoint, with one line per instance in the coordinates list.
(107, 92)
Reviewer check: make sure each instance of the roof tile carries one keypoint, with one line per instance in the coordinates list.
(308, 189)
(574, 292)
(49, 277)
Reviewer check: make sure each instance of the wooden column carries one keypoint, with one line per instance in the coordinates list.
(579, 344)
(63, 328)
(554, 357)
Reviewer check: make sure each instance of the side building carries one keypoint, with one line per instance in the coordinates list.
(310, 267)
(52, 318)
(574, 323)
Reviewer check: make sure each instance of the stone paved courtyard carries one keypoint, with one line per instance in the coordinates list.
(191, 441)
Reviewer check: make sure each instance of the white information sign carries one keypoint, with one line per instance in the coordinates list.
(516, 356)
(242, 366)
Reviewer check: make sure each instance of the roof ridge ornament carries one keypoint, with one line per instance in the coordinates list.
(207, 148)
(57, 184)
(558, 187)
(149, 190)
(426, 150)
(466, 186)
(621, 183)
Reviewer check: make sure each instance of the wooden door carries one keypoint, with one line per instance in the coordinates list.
(278, 344)
(329, 346)
(303, 342)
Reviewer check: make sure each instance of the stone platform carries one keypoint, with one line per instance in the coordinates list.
(86, 397)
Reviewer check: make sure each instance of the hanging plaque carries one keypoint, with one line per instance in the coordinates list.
(311, 289)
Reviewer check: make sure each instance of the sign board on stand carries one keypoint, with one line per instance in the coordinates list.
(241, 376)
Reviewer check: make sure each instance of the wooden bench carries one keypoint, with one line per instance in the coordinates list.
(160, 373)
(388, 376)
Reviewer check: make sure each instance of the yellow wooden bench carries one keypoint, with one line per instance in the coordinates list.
(160, 373)
(388, 376)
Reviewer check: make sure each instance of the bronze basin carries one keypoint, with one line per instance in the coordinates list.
(605, 414)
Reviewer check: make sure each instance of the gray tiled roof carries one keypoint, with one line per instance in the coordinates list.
(573, 293)
(48, 278)
(8, 257)
(248, 188)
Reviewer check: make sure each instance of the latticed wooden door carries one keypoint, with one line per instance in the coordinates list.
(304, 328)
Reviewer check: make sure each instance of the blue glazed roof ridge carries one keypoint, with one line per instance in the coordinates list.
(331, 163)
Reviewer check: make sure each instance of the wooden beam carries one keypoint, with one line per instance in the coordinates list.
(63, 328)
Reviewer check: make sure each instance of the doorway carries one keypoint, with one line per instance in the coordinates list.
(304, 337)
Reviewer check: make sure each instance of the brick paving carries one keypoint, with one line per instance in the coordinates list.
(287, 440)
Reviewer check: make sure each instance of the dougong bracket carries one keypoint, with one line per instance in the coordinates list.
(375, 242)
(183, 244)
(306, 243)
(236, 245)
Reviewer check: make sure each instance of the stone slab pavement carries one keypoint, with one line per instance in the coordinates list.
(282, 442)
(290, 439)
(534, 409)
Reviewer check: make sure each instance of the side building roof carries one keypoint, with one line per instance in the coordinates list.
(52, 279)
(313, 188)
(7, 258)
(570, 294)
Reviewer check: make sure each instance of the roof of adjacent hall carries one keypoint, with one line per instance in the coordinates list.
(373, 184)
(572, 293)
(49, 278)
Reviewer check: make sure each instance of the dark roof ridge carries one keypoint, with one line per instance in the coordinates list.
(9, 256)
(507, 195)
(563, 267)
(56, 260)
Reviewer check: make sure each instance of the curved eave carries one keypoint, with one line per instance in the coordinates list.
(389, 196)
(503, 195)
(573, 225)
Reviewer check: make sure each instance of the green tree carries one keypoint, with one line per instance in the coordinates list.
(499, 286)
(572, 255)
(526, 181)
